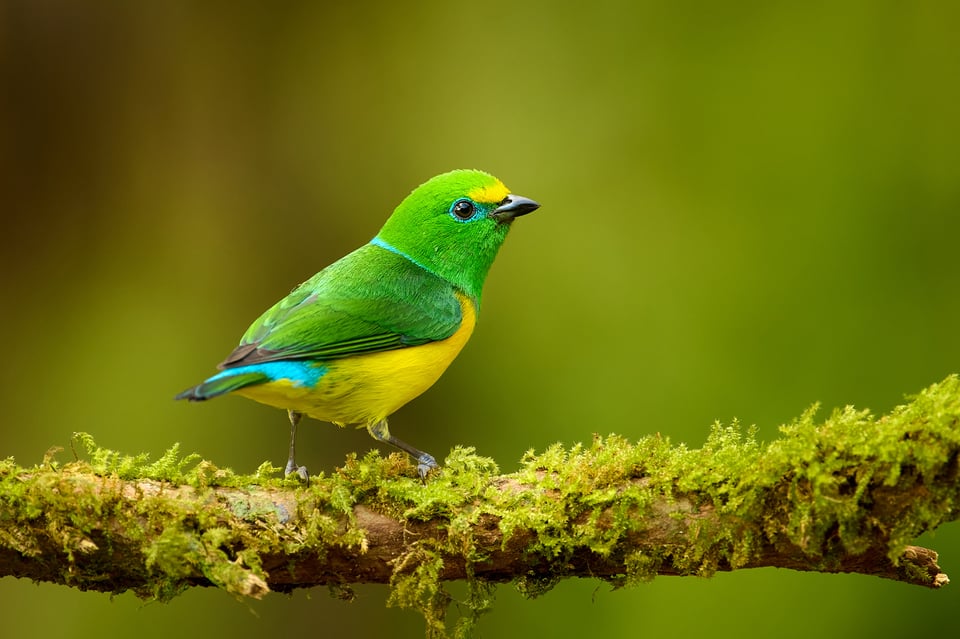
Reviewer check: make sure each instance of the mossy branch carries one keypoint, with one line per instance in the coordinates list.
(848, 494)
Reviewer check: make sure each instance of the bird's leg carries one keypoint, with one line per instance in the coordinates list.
(292, 468)
(380, 432)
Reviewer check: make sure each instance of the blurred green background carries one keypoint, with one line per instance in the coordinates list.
(747, 207)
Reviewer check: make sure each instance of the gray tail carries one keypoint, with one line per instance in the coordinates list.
(221, 384)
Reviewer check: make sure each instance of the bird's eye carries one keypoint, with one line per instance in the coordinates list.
(462, 209)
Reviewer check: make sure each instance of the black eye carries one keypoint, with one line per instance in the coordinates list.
(463, 209)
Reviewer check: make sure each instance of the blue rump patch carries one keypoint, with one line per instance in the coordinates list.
(300, 373)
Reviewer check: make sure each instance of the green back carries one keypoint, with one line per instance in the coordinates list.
(371, 300)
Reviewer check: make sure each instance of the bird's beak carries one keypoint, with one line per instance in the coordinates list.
(513, 206)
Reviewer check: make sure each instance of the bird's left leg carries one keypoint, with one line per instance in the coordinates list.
(380, 432)
(292, 468)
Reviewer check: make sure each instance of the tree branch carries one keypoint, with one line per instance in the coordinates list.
(845, 495)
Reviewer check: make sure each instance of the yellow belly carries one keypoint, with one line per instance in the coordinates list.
(368, 388)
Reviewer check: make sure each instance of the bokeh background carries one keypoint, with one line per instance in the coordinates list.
(747, 208)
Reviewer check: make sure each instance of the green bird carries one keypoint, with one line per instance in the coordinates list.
(378, 327)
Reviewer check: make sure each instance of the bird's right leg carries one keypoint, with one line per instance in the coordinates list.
(425, 461)
(292, 468)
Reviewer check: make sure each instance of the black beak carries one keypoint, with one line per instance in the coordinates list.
(513, 206)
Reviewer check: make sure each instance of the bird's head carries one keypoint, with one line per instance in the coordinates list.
(454, 224)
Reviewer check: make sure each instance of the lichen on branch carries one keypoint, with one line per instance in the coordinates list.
(846, 494)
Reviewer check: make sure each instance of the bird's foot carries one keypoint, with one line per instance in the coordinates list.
(299, 471)
(426, 462)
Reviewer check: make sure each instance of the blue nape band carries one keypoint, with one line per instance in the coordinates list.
(378, 241)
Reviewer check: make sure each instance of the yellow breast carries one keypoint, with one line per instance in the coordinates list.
(367, 388)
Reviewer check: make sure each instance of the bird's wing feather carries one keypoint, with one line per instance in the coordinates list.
(369, 301)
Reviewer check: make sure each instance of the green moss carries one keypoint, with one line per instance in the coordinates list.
(416, 584)
(178, 537)
(641, 567)
(811, 489)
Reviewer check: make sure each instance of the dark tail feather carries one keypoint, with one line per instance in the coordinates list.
(221, 384)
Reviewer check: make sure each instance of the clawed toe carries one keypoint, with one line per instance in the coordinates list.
(299, 471)
(425, 463)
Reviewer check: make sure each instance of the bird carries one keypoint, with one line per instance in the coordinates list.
(376, 328)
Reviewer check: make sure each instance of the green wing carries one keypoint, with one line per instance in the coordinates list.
(369, 301)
